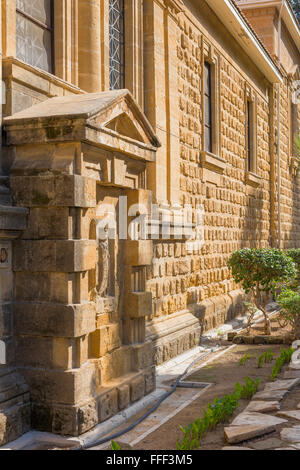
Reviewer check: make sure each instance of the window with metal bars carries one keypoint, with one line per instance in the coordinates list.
(34, 33)
(249, 135)
(208, 136)
(116, 45)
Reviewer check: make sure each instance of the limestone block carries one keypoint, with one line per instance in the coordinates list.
(6, 283)
(150, 380)
(105, 339)
(62, 387)
(290, 414)
(42, 287)
(256, 419)
(141, 197)
(291, 434)
(142, 356)
(115, 364)
(65, 419)
(282, 385)
(108, 405)
(123, 396)
(236, 434)
(118, 171)
(12, 218)
(5, 319)
(263, 406)
(47, 223)
(138, 304)
(137, 388)
(53, 190)
(138, 253)
(41, 319)
(54, 256)
(14, 422)
(271, 395)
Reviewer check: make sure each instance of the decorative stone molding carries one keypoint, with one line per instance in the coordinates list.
(87, 336)
(213, 162)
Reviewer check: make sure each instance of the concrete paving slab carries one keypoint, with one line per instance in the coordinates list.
(257, 419)
(236, 434)
(236, 448)
(290, 414)
(267, 444)
(271, 395)
(282, 384)
(263, 406)
(291, 434)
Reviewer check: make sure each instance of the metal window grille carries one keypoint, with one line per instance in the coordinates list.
(208, 108)
(116, 44)
(249, 147)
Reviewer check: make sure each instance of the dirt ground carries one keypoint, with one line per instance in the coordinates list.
(223, 373)
(276, 328)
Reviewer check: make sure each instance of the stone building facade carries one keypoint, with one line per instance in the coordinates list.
(159, 104)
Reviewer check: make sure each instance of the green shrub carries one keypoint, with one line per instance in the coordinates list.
(295, 255)
(244, 359)
(249, 389)
(260, 271)
(265, 358)
(289, 301)
(218, 412)
(284, 358)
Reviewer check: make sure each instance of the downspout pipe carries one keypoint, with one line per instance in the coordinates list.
(279, 131)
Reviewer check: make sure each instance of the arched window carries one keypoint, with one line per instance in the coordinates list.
(116, 44)
(34, 31)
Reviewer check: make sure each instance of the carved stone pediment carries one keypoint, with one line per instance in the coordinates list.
(98, 117)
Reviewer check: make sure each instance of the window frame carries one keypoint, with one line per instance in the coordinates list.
(44, 26)
(207, 91)
(122, 63)
(212, 160)
(251, 136)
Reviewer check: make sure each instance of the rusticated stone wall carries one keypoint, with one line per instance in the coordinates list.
(237, 205)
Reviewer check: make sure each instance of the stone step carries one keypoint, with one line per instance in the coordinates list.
(15, 407)
(22, 399)
(17, 391)
(5, 371)
(14, 422)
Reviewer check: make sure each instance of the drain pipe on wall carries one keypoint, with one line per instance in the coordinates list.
(279, 130)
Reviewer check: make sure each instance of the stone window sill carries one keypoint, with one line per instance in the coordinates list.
(253, 179)
(213, 162)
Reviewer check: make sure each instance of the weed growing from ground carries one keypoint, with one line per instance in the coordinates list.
(244, 359)
(265, 358)
(284, 358)
(217, 412)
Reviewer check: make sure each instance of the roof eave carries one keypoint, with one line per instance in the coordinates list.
(287, 13)
(232, 18)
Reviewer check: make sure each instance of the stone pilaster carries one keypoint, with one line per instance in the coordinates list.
(89, 53)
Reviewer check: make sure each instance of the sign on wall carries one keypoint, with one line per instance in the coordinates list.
(5, 255)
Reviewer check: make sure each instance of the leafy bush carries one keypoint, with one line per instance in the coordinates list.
(265, 358)
(295, 255)
(289, 301)
(249, 389)
(260, 271)
(244, 359)
(284, 358)
(218, 412)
